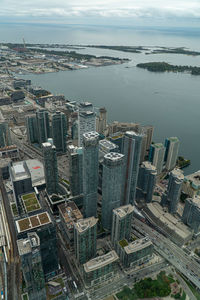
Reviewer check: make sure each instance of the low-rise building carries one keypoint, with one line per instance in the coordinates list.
(100, 269)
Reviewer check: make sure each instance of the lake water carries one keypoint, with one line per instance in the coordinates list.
(169, 101)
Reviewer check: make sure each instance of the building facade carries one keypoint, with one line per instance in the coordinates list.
(50, 168)
(147, 180)
(59, 131)
(112, 184)
(43, 126)
(101, 269)
(5, 138)
(90, 173)
(32, 131)
(171, 154)
(121, 223)
(86, 123)
(76, 170)
(156, 156)
(131, 149)
(85, 235)
(191, 214)
(172, 196)
(31, 265)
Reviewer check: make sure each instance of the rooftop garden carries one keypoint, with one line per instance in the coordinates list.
(123, 243)
(30, 202)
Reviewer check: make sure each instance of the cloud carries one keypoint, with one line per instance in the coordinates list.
(101, 8)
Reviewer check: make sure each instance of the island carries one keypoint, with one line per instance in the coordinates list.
(131, 49)
(180, 50)
(165, 67)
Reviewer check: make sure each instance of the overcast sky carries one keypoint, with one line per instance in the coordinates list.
(102, 11)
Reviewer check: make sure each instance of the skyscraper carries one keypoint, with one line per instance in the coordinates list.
(102, 120)
(156, 156)
(31, 127)
(76, 170)
(59, 131)
(131, 150)
(121, 223)
(147, 180)
(50, 168)
(112, 184)
(171, 154)
(85, 234)
(90, 173)
(5, 139)
(191, 213)
(86, 123)
(43, 127)
(172, 196)
(31, 264)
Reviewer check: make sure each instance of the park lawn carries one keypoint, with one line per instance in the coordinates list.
(126, 294)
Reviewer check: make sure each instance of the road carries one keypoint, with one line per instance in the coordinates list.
(118, 284)
(171, 252)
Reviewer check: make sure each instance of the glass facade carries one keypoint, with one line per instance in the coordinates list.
(59, 131)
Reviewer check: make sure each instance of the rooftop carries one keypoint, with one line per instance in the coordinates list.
(91, 136)
(19, 171)
(148, 165)
(137, 245)
(25, 246)
(158, 145)
(194, 179)
(114, 157)
(178, 174)
(100, 261)
(196, 201)
(123, 211)
(107, 145)
(84, 224)
(36, 169)
(30, 202)
(70, 213)
(32, 222)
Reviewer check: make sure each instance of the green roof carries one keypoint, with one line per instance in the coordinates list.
(123, 243)
(30, 202)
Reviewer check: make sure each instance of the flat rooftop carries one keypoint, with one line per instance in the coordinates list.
(194, 179)
(100, 261)
(148, 165)
(19, 171)
(137, 245)
(30, 202)
(36, 169)
(33, 222)
(26, 245)
(84, 224)
(107, 145)
(122, 211)
(70, 213)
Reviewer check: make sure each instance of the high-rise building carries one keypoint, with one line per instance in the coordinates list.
(59, 131)
(20, 179)
(121, 223)
(112, 184)
(156, 156)
(143, 148)
(86, 123)
(131, 150)
(76, 170)
(31, 265)
(31, 127)
(50, 168)
(172, 196)
(5, 139)
(147, 180)
(85, 106)
(148, 131)
(41, 224)
(43, 127)
(85, 234)
(191, 213)
(90, 173)
(171, 154)
(102, 120)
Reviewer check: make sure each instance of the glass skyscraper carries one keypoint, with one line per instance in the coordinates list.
(112, 183)
(50, 168)
(59, 131)
(131, 149)
(90, 173)
(43, 127)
